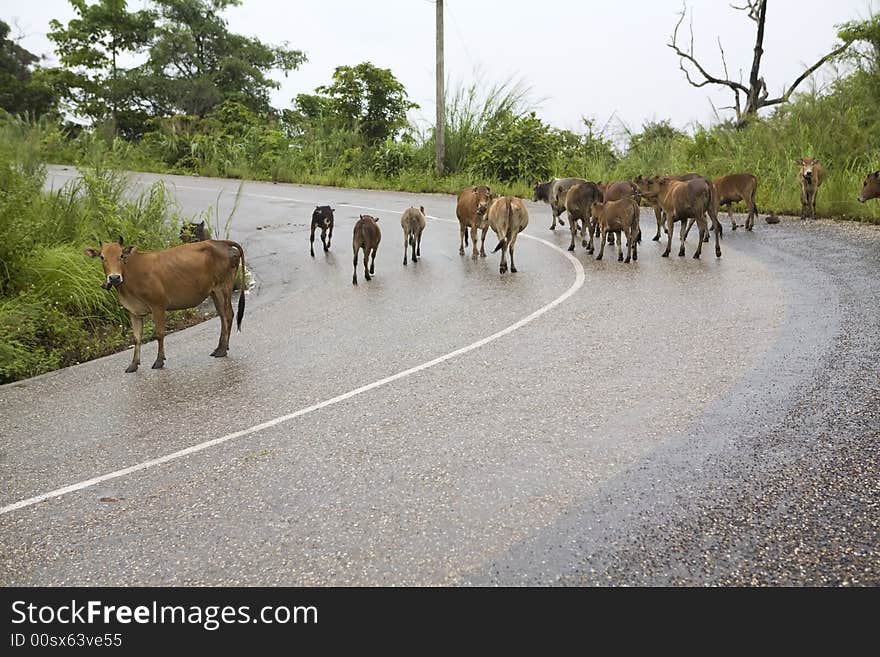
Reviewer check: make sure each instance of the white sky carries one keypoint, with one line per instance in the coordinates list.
(601, 59)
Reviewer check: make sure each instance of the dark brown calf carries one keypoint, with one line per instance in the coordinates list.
(620, 216)
(735, 188)
(322, 218)
(413, 223)
(578, 202)
(176, 278)
(366, 236)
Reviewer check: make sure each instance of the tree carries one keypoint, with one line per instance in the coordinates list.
(90, 46)
(196, 63)
(22, 90)
(364, 98)
(756, 94)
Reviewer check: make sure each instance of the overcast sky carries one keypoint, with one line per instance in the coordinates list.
(607, 60)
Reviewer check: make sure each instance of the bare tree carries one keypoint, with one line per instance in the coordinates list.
(755, 94)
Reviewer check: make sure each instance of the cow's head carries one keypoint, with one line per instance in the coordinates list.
(596, 208)
(324, 214)
(650, 187)
(422, 210)
(484, 199)
(542, 191)
(871, 188)
(194, 232)
(808, 165)
(113, 255)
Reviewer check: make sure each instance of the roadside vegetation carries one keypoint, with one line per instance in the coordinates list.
(198, 103)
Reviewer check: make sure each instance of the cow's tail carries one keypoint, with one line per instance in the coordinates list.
(713, 210)
(505, 239)
(240, 315)
(411, 229)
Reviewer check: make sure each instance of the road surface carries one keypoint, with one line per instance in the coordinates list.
(671, 421)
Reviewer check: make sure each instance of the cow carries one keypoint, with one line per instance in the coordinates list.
(413, 223)
(194, 232)
(735, 188)
(322, 218)
(508, 217)
(683, 200)
(614, 191)
(472, 209)
(176, 278)
(578, 202)
(620, 216)
(640, 182)
(811, 175)
(870, 188)
(554, 193)
(366, 236)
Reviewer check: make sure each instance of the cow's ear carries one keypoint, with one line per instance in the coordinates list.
(121, 241)
(422, 209)
(799, 161)
(128, 249)
(876, 174)
(201, 223)
(376, 219)
(92, 253)
(332, 210)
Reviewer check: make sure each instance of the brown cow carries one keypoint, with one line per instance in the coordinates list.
(735, 188)
(871, 187)
(640, 182)
(413, 223)
(508, 217)
(176, 278)
(471, 210)
(367, 237)
(811, 175)
(577, 203)
(620, 216)
(682, 200)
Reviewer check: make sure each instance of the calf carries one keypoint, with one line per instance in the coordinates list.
(413, 223)
(640, 183)
(366, 236)
(871, 187)
(735, 188)
(554, 193)
(508, 217)
(194, 232)
(681, 200)
(472, 210)
(176, 278)
(811, 175)
(620, 216)
(322, 218)
(578, 202)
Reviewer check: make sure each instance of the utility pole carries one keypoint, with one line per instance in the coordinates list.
(440, 130)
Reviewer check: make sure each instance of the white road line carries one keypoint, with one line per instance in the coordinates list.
(116, 474)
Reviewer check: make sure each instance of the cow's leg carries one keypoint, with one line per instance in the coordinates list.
(685, 229)
(324, 241)
(159, 322)
(329, 238)
(419, 245)
(658, 215)
(813, 205)
(670, 226)
(617, 234)
(405, 246)
(553, 211)
(704, 230)
(354, 276)
(574, 229)
(510, 248)
(312, 241)
(503, 266)
(415, 255)
(373, 260)
(635, 247)
(462, 236)
(476, 251)
(483, 240)
(223, 303)
(602, 243)
(137, 327)
(733, 225)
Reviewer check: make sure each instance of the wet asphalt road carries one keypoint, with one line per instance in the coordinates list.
(671, 421)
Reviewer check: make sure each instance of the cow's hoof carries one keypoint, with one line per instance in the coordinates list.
(635, 257)
(159, 364)
(696, 256)
(681, 254)
(584, 243)
(571, 248)
(656, 238)
(482, 254)
(404, 263)
(354, 281)
(717, 253)
(620, 258)
(415, 259)
(461, 252)
(665, 254)
(513, 270)
(599, 257)
(131, 368)
(313, 254)
(626, 261)
(734, 227)
(326, 248)
(368, 277)
(553, 227)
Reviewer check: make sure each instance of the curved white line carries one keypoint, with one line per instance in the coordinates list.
(578, 283)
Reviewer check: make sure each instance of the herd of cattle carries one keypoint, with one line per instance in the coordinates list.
(184, 276)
